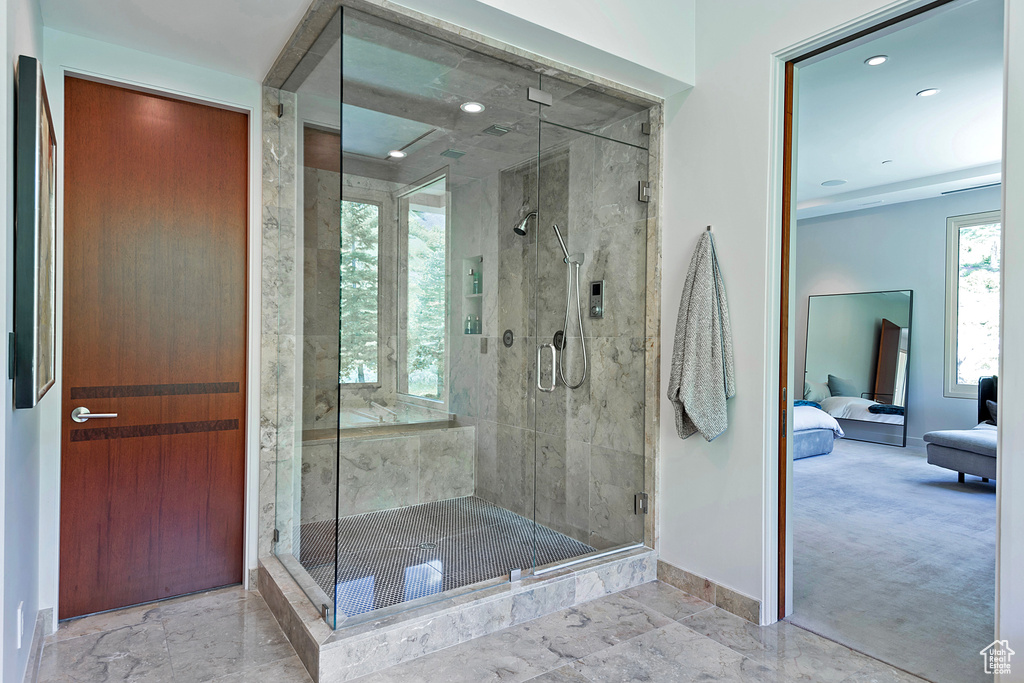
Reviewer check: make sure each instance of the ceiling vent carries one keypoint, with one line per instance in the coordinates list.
(453, 154)
(497, 130)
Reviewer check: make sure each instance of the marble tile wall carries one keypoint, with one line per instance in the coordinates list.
(579, 452)
(320, 297)
(279, 331)
(385, 472)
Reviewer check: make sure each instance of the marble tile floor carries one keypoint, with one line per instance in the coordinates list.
(227, 635)
(651, 633)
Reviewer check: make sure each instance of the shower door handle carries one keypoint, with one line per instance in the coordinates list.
(540, 352)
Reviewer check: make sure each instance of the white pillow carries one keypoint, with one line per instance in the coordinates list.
(813, 391)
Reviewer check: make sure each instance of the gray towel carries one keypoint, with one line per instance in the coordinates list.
(703, 373)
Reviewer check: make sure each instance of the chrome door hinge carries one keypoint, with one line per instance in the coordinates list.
(515, 575)
(783, 394)
(644, 191)
(539, 96)
(640, 504)
(325, 611)
(280, 110)
(784, 422)
(277, 536)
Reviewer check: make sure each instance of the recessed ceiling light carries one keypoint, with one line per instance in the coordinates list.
(472, 107)
(928, 92)
(833, 183)
(876, 60)
(397, 154)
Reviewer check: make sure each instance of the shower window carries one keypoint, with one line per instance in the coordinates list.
(423, 296)
(360, 283)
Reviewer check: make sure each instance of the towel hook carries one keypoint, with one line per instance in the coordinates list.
(709, 228)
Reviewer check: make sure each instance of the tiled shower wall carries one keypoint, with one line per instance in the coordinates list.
(320, 303)
(589, 441)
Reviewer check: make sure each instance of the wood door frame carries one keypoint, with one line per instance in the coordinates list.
(787, 62)
(52, 413)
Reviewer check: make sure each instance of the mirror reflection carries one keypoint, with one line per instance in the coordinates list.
(857, 356)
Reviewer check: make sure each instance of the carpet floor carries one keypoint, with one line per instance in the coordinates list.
(894, 558)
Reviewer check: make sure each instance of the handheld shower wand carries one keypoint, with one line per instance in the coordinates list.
(573, 264)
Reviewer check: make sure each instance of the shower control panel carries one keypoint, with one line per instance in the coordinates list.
(597, 299)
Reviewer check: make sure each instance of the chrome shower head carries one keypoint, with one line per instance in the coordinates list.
(520, 227)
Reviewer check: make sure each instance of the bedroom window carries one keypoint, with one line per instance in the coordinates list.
(972, 301)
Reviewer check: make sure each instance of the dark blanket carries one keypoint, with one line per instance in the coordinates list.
(807, 403)
(885, 409)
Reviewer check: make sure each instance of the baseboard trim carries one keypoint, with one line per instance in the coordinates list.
(43, 619)
(726, 598)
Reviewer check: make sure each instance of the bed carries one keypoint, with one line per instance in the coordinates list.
(854, 408)
(814, 432)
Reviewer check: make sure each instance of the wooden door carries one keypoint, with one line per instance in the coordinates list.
(888, 360)
(155, 249)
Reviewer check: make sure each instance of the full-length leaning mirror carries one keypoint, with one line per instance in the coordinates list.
(857, 362)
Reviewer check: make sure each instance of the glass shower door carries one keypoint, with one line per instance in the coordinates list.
(590, 305)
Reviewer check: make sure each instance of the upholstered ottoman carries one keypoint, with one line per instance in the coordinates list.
(966, 451)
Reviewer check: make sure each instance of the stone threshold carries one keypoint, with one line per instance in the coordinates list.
(385, 639)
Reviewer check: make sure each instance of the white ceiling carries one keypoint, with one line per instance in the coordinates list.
(852, 117)
(240, 37)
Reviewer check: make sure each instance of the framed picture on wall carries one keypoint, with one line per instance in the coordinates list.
(35, 231)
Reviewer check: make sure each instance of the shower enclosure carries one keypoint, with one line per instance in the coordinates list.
(460, 384)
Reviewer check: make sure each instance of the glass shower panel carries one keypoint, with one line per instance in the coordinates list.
(435, 459)
(591, 110)
(590, 429)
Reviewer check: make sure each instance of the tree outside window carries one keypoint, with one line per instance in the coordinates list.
(360, 231)
(972, 307)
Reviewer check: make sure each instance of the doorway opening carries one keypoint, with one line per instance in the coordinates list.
(889, 340)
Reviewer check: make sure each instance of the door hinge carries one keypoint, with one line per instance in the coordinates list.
(277, 536)
(11, 360)
(515, 575)
(644, 191)
(645, 129)
(325, 611)
(640, 504)
(539, 96)
(280, 110)
(784, 422)
(783, 394)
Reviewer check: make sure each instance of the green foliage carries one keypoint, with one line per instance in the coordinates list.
(426, 301)
(978, 303)
(359, 276)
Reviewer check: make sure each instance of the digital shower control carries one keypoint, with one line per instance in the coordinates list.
(597, 299)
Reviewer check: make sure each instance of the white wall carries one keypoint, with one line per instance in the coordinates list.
(902, 246)
(20, 493)
(648, 45)
(143, 71)
(1010, 477)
